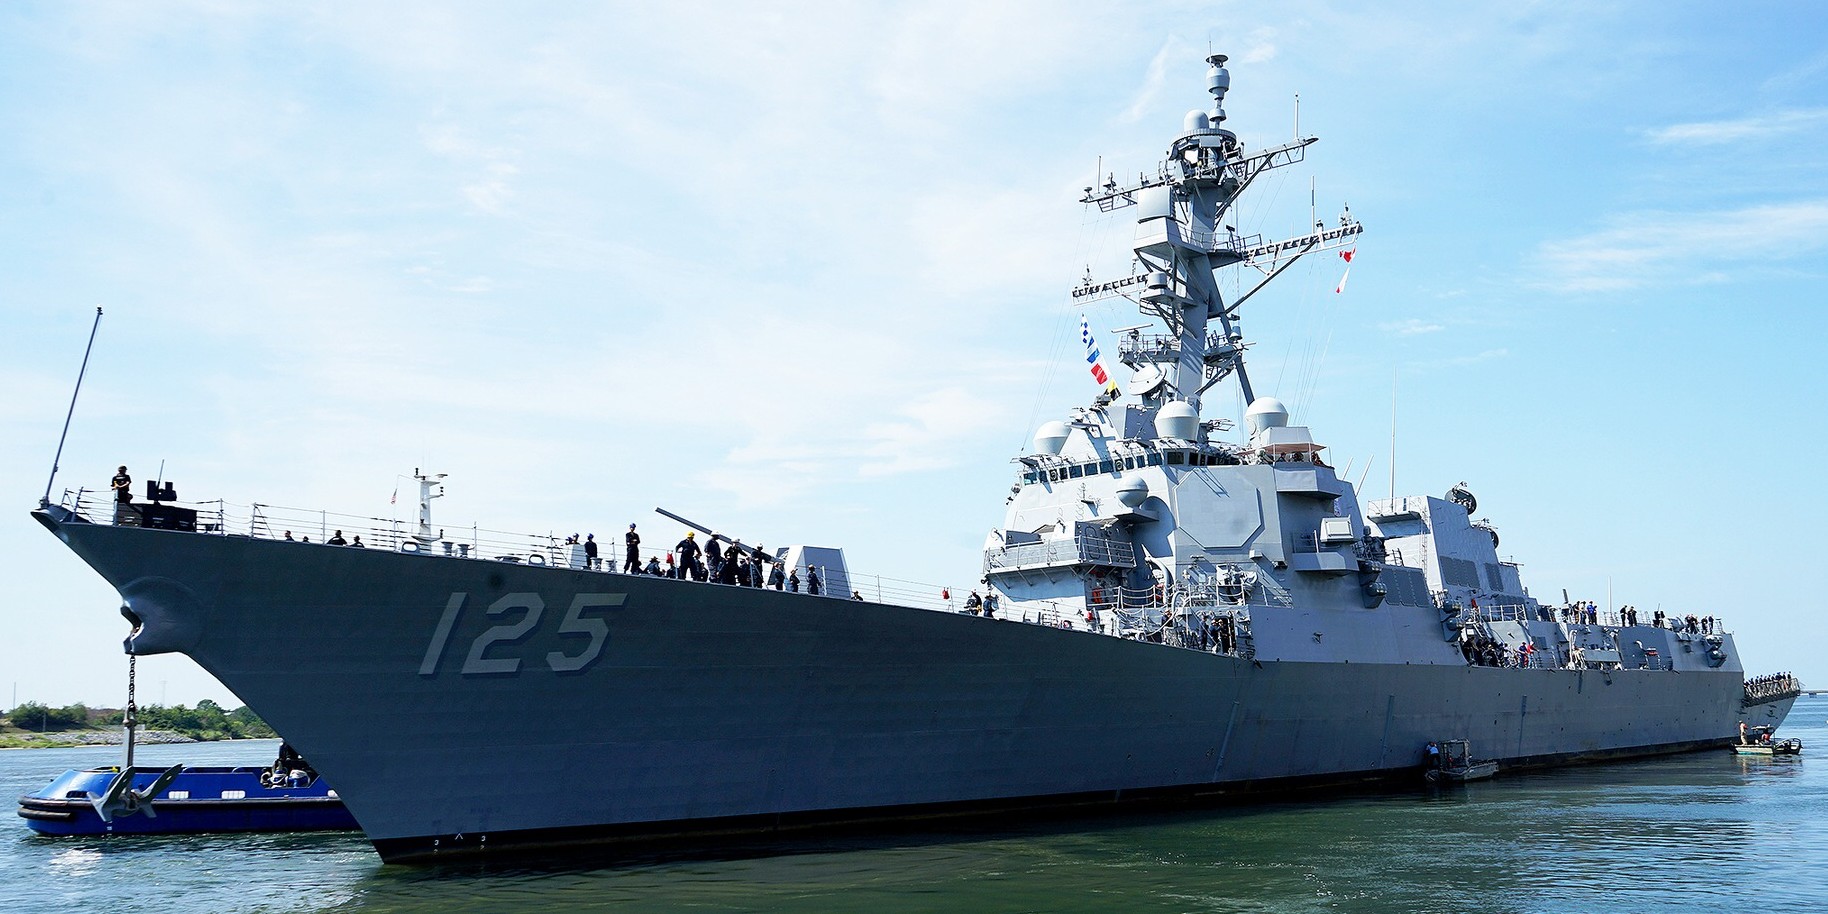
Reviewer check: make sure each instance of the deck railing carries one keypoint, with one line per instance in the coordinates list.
(315, 527)
(1775, 687)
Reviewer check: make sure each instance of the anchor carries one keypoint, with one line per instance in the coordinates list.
(120, 799)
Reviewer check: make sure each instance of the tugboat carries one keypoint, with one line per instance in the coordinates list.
(182, 800)
(129, 800)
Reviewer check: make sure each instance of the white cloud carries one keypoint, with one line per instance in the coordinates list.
(1669, 248)
(1153, 80)
(492, 193)
(1259, 46)
(1483, 356)
(1732, 131)
(1411, 327)
(473, 285)
(1802, 74)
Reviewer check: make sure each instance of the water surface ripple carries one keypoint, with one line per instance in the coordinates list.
(1699, 832)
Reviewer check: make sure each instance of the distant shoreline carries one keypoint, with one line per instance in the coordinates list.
(88, 739)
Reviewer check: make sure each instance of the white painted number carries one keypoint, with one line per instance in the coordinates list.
(500, 640)
(476, 664)
(575, 624)
(434, 651)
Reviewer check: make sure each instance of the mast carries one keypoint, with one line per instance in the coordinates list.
(430, 486)
(1186, 234)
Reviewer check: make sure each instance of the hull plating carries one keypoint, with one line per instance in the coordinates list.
(687, 705)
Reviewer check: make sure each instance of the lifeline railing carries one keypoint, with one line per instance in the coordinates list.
(1193, 610)
(1760, 689)
(1612, 618)
(315, 527)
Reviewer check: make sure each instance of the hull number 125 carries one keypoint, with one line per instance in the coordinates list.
(493, 653)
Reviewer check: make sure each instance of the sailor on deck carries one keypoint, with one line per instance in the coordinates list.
(688, 556)
(632, 565)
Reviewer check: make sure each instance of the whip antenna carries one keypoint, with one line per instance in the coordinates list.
(45, 502)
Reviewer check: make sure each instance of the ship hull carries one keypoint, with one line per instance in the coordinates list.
(631, 708)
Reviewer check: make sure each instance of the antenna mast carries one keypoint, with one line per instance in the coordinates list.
(45, 502)
(1393, 434)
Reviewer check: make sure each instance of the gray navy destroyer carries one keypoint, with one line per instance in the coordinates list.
(1176, 612)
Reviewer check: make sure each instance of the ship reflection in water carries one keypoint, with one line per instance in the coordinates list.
(1686, 833)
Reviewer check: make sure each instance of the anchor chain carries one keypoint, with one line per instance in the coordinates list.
(130, 718)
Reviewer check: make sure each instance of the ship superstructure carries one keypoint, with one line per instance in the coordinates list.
(1173, 617)
(1134, 517)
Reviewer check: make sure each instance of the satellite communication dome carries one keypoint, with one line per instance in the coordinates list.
(1462, 496)
(1265, 412)
(1132, 491)
(1196, 120)
(1051, 437)
(1146, 380)
(1178, 420)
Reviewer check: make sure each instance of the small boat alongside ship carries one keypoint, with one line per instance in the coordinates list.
(1762, 740)
(1452, 762)
(204, 799)
(131, 800)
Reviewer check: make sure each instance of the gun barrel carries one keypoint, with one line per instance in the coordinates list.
(701, 528)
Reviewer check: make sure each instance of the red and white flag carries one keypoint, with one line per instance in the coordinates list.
(1347, 257)
(1093, 359)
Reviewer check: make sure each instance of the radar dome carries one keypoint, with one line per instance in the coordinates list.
(1178, 420)
(1132, 491)
(1196, 120)
(1265, 412)
(1051, 437)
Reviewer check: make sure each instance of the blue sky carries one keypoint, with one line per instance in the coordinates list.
(803, 273)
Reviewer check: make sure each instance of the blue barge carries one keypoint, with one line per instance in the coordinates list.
(159, 801)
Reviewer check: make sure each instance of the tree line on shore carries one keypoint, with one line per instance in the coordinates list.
(207, 721)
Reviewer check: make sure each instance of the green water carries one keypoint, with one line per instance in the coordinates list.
(1701, 832)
